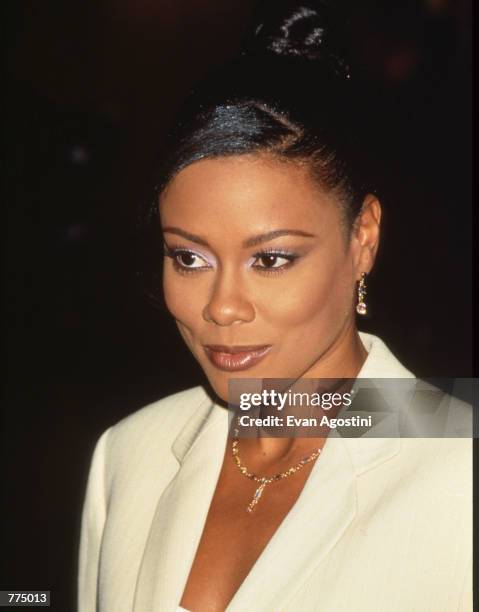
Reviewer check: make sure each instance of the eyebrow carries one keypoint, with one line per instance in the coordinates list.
(249, 242)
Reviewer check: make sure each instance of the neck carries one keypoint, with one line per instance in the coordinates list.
(343, 359)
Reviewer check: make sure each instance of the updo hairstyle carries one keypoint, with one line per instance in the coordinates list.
(288, 94)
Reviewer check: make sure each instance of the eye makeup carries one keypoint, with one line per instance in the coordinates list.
(175, 253)
(269, 258)
(265, 261)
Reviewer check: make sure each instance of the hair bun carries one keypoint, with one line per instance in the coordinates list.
(295, 29)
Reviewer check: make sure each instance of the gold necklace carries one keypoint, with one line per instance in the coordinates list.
(264, 480)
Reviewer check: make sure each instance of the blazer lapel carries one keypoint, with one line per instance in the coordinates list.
(181, 511)
(323, 511)
(327, 505)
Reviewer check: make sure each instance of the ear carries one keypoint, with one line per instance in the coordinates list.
(365, 238)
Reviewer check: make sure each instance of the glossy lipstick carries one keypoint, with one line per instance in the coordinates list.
(235, 358)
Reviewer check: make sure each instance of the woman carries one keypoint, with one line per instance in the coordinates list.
(269, 231)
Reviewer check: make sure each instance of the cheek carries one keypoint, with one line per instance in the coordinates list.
(182, 298)
(318, 296)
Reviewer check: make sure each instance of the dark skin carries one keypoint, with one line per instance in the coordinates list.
(225, 293)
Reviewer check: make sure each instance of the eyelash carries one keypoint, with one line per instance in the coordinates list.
(283, 253)
(174, 252)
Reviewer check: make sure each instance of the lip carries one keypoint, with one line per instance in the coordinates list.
(235, 358)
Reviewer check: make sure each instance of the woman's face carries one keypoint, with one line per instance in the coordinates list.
(257, 274)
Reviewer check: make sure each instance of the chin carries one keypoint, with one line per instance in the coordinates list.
(220, 382)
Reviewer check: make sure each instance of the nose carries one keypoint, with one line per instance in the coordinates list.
(228, 301)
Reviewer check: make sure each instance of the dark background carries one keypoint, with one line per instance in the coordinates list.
(91, 89)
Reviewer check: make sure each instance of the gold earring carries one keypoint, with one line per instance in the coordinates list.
(361, 307)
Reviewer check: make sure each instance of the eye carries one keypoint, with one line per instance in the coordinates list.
(273, 260)
(185, 260)
(189, 259)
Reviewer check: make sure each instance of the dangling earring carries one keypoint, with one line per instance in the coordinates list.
(361, 307)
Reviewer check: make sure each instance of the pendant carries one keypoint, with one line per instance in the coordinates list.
(256, 497)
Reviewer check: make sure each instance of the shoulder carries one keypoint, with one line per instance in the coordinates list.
(449, 458)
(437, 474)
(154, 426)
(168, 410)
(380, 362)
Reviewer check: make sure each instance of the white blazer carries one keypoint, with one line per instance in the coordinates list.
(382, 524)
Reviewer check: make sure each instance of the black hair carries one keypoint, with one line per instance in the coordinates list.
(289, 93)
